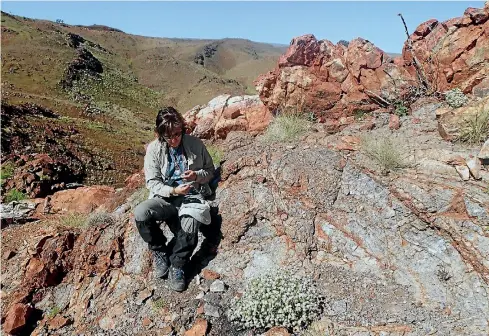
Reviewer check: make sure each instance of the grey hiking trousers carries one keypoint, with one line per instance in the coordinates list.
(148, 216)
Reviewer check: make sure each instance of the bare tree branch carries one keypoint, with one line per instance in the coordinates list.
(419, 71)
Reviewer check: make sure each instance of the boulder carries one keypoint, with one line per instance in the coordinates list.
(224, 114)
(81, 200)
(16, 318)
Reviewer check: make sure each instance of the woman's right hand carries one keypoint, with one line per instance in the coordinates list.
(182, 189)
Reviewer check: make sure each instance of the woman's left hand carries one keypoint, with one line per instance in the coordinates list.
(189, 175)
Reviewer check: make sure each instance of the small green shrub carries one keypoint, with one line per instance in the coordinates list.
(158, 304)
(99, 218)
(6, 172)
(384, 152)
(14, 195)
(475, 129)
(277, 300)
(400, 109)
(216, 154)
(53, 312)
(311, 117)
(455, 98)
(286, 128)
(359, 114)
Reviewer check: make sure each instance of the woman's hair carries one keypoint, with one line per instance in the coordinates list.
(167, 120)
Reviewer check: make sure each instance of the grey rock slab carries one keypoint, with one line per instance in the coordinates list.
(212, 298)
(464, 172)
(218, 286)
(17, 210)
(211, 310)
(474, 165)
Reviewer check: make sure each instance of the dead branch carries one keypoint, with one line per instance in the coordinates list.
(419, 71)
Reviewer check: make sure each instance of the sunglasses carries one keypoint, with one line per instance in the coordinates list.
(173, 136)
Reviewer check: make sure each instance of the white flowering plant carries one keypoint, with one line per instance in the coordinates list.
(277, 300)
(455, 98)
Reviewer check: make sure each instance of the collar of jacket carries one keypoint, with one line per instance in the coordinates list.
(188, 149)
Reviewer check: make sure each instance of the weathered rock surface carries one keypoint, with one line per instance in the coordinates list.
(330, 80)
(337, 81)
(451, 124)
(81, 200)
(16, 318)
(405, 253)
(225, 113)
(453, 53)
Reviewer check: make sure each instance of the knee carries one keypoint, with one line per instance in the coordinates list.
(142, 212)
(189, 225)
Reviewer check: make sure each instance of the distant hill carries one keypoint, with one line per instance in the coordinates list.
(97, 76)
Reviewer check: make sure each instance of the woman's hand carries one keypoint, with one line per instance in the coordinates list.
(182, 189)
(189, 175)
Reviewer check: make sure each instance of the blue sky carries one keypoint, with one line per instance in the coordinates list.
(273, 22)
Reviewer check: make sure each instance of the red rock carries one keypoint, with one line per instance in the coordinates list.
(81, 200)
(348, 142)
(302, 51)
(16, 318)
(210, 275)
(424, 29)
(394, 122)
(198, 329)
(58, 322)
(368, 124)
(146, 322)
(277, 331)
(477, 15)
(451, 53)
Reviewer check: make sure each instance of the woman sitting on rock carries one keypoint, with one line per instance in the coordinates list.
(177, 169)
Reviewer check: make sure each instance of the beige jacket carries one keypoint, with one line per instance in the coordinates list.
(156, 162)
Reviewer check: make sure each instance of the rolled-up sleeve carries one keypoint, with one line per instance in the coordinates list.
(152, 171)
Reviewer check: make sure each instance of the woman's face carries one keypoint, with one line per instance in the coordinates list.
(174, 137)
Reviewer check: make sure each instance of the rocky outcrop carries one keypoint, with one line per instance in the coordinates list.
(81, 200)
(332, 81)
(23, 137)
(206, 52)
(453, 53)
(40, 175)
(225, 113)
(46, 153)
(404, 253)
(337, 81)
(83, 64)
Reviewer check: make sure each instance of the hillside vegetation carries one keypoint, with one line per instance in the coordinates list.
(108, 84)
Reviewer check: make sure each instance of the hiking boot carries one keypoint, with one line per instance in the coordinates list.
(176, 279)
(160, 264)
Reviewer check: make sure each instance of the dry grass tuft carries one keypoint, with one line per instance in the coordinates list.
(475, 128)
(385, 152)
(286, 128)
